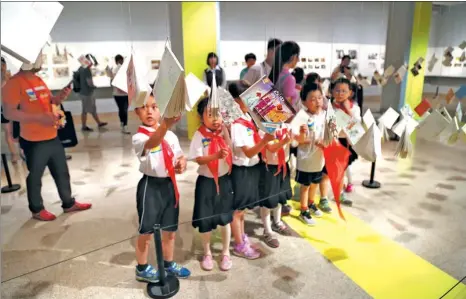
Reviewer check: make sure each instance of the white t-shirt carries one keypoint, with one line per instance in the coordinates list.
(242, 136)
(356, 112)
(257, 71)
(151, 161)
(272, 158)
(200, 147)
(312, 162)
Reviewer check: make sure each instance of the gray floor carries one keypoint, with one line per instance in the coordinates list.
(91, 254)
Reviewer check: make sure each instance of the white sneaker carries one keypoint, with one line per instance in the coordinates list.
(315, 211)
(124, 130)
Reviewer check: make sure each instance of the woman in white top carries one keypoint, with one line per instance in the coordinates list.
(121, 97)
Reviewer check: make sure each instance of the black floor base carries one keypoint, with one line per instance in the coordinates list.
(371, 185)
(68, 157)
(12, 188)
(159, 291)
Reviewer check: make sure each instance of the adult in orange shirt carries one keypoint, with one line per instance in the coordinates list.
(38, 137)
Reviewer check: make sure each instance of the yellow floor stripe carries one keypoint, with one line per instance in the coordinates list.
(380, 266)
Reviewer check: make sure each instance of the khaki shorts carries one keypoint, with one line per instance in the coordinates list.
(88, 103)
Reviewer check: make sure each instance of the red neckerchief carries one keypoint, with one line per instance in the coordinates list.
(342, 107)
(168, 159)
(281, 153)
(216, 144)
(47, 106)
(250, 125)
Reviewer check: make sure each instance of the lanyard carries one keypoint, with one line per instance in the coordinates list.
(47, 106)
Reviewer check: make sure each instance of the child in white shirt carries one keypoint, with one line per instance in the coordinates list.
(310, 157)
(160, 157)
(246, 170)
(214, 192)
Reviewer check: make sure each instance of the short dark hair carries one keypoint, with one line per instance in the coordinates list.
(237, 88)
(312, 77)
(298, 74)
(346, 57)
(211, 55)
(3, 60)
(119, 58)
(250, 56)
(92, 59)
(273, 43)
(307, 89)
(202, 105)
(342, 81)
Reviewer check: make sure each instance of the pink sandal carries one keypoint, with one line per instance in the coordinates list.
(225, 263)
(207, 264)
(246, 251)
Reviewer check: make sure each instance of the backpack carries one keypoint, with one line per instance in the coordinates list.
(76, 81)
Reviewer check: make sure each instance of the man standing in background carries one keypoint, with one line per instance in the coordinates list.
(86, 93)
(38, 137)
(256, 72)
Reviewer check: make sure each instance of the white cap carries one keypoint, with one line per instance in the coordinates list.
(36, 65)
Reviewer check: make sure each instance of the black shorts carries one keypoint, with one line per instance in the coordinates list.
(210, 208)
(308, 178)
(274, 189)
(245, 181)
(294, 151)
(155, 199)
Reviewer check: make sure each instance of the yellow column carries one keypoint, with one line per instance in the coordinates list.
(200, 29)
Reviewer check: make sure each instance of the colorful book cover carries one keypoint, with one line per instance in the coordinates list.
(267, 103)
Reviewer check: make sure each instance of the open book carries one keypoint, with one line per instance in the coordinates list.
(432, 126)
(26, 27)
(196, 89)
(266, 104)
(350, 125)
(229, 109)
(404, 148)
(138, 92)
(170, 88)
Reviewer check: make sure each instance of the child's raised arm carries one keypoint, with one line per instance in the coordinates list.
(157, 138)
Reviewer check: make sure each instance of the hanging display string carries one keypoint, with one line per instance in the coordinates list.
(384, 29)
(167, 26)
(332, 53)
(127, 29)
(132, 237)
(130, 27)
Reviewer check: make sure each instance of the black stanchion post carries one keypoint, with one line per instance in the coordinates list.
(168, 284)
(372, 184)
(11, 187)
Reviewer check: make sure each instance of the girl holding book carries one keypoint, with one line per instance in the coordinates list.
(213, 206)
(246, 171)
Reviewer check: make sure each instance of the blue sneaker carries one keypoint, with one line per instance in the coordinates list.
(148, 275)
(178, 270)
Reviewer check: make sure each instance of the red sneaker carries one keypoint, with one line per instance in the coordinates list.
(349, 188)
(78, 207)
(44, 215)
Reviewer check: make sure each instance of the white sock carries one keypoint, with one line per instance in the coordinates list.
(277, 214)
(349, 174)
(265, 215)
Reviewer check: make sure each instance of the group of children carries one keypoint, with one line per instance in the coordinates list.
(239, 168)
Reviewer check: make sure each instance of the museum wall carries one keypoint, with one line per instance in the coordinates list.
(323, 30)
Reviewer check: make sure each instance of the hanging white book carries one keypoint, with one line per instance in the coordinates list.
(196, 89)
(389, 117)
(406, 124)
(404, 148)
(213, 100)
(451, 133)
(229, 109)
(368, 118)
(170, 86)
(432, 126)
(138, 93)
(400, 74)
(120, 80)
(459, 112)
(445, 114)
(370, 145)
(301, 118)
(26, 27)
